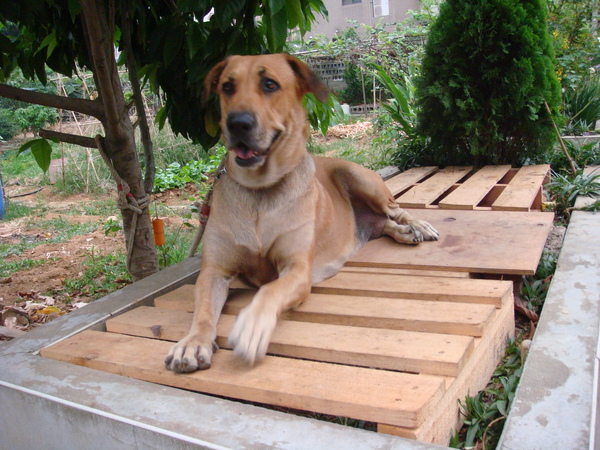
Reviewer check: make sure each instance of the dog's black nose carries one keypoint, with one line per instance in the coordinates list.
(240, 123)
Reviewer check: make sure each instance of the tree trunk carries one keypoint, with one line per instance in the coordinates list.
(119, 141)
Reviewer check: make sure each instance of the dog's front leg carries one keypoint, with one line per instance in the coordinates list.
(194, 352)
(251, 334)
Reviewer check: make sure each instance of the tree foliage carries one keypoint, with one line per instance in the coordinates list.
(174, 44)
(170, 45)
(487, 72)
(573, 26)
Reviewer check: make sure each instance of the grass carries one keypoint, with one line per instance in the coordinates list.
(178, 241)
(15, 210)
(484, 413)
(101, 275)
(60, 230)
(20, 168)
(7, 268)
(360, 151)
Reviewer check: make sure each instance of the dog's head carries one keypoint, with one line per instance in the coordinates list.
(263, 121)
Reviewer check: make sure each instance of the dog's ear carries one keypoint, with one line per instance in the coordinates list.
(212, 80)
(307, 79)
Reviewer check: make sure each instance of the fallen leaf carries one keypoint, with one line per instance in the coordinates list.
(50, 310)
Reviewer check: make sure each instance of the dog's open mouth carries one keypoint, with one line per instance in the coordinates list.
(246, 156)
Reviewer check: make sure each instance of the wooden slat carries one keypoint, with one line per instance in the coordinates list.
(489, 350)
(371, 312)
(423, 194)
(498, 242)
(434, 354)
(472, 191)
(367, 394)
(406, 179)
(392, 271)
(492, 292)
(591, 170)
(522, 190)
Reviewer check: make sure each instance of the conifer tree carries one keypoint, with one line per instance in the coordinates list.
(487, 73)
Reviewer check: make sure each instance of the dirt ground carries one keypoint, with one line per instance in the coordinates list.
(24, 299)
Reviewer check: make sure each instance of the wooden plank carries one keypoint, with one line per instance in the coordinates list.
(408, 351)
(472, 191)
(591, 170)
(392, 271)
(371, 312)
(404, 180)
(365, 394)
(522, 190)
(491, 292)
(498, 242)
(489, 350)
(427, 192)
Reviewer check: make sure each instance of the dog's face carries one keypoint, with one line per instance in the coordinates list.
(262, 117)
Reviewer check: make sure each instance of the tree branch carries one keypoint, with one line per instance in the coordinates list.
(83, 106)
(105, 68)
(139, 104)
(83, 141)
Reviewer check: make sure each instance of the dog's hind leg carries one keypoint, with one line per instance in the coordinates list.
(368, 187)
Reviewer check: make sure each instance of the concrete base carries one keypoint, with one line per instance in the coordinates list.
(555, 404)
(73, 407)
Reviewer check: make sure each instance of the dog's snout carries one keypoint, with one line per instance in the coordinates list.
(240, 123)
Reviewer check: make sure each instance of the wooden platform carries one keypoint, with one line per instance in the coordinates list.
(485, 242)
(396, 338)
(497, 188)
(399, 357)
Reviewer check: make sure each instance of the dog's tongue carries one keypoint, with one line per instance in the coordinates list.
(243, 152)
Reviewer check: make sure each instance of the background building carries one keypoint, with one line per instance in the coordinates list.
(362, 11)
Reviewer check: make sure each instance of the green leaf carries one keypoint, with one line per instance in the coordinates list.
(161, 117)
(226, 11)
(276, 30)
(6, 45)
(210, 124)
(74, 9)
(193, 6)
(276, 5)
(41, 151)
(295, 17)
(50, 42)
(172, 45)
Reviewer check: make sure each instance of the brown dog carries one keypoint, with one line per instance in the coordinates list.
(280, 219)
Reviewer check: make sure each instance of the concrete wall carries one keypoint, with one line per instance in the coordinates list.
(361, 12)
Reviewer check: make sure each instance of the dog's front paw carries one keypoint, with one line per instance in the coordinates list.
(251, 334)
(425, 231)
(190, 354)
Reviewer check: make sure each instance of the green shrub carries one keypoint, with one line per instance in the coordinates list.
(582, 106)
(487, 71)
(34, 117)
(587, 154)
(8, 126)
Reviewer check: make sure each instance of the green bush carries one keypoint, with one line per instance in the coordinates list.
(8, 127)
(487, 71)
(34, 117)
(582, 106)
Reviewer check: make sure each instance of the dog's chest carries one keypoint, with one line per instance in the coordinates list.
(259, 220)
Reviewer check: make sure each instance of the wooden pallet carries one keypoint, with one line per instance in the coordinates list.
(489, 242)
(497, 188)
(398, 349)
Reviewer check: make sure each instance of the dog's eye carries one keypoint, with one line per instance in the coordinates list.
(269, 85)
(227, 88)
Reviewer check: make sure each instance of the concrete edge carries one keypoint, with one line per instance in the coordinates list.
(85, 408)
(555, 402)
